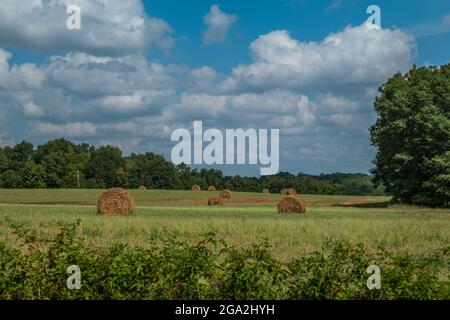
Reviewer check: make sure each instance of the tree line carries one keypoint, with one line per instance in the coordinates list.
(63, 164)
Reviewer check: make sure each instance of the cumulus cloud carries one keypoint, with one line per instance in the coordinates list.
(84, 96)
(107, 26)
(76, 129)
(355, 56)
(276, 108)
(17, 77)
(32, 110)
(320, 95)
(218, 24)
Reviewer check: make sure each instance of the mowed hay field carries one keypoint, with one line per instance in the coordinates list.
(245, 219)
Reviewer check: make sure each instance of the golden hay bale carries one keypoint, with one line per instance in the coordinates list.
(142, 188)
(291, 192)
(265, 190)
(196, 187)
(215, 201)
(291, 204)
(284, 191)
(115, 201)
(211, 188)
(225, 194)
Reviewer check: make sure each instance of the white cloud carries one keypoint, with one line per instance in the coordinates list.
(108, 26)
(26, 75)
(218, 24)
(139, 100)
(76, 129)
(355, 56)
(32, 110)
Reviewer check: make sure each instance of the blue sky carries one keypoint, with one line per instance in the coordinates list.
(137, 70)
(308, 20)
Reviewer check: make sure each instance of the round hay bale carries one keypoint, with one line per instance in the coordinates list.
(284, 191)
(215, 201)
(225, 194)
(196, 187)
(142, 188)
(291, 204)
(211, 188)
(115, 201)
(291, 192)
(266, 190)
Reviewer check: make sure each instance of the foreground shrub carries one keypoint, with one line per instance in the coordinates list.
(172, 269)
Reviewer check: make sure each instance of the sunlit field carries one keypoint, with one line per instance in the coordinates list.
(245, 219)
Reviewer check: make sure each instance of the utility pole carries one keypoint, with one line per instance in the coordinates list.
(78, 178)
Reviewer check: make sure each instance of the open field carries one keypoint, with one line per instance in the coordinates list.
(165, 250)
(246, 219)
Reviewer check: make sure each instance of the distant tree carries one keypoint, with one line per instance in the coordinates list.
(11, 179)
(121, 178)
(187, 177)
(60, 162)
(412, 134)
(33, 175)
(103, 167)
(4, 160)
(21, 152)
(152, 171)
(354, 183)
(211, 177)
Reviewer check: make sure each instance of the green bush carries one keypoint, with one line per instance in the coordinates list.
(211, 269)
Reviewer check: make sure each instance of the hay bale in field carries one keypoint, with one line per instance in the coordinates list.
(225, 194)
(215, 201)
(284, 191)
(196, 187)
(142, 188)
(115, 201)
(211, 188)
(265, 190)
(291, 192)
(291, 204)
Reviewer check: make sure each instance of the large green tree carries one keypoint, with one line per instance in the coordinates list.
(412, 134)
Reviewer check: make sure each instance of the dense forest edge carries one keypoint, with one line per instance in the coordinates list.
(63, 164)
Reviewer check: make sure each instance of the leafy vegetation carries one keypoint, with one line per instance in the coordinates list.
(211, 269)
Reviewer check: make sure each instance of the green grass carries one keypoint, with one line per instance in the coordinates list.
(246, 219)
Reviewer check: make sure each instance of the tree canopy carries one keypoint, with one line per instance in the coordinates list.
(57, 164)
(412, 134)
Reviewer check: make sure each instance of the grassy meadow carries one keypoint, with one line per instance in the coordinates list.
(322, 254)
(245, 219)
